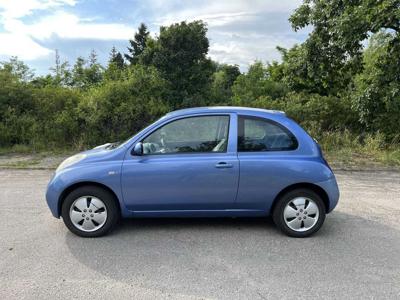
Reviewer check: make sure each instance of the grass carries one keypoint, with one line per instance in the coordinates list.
(26, 157)
(343, 150)
(42, 151)
(353, 159)
(21, 164)
(346, 150)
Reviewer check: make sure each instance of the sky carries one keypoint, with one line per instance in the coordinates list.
(240, 31)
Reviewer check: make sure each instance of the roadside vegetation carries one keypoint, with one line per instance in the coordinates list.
(342, 85)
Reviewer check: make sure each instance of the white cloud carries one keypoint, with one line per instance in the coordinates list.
(16, 40)
(20, 45)
(242, 50)
(240, 31)
(23, 39)
(66, 25)
(217, 13)
(12, 9)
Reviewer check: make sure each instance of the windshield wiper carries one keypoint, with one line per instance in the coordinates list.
(113, 145)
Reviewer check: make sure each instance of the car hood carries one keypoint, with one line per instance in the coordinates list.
(104, 152)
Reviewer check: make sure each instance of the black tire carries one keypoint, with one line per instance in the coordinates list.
(278, 213)
(113, 214)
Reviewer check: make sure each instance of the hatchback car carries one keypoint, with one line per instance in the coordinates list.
(199, 162)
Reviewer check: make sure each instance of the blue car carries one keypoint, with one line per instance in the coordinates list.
(199, 162)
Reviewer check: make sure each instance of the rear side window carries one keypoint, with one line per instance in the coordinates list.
(259, 134)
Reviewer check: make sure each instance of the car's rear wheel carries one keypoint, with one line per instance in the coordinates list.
(299, 213)
(90, 211)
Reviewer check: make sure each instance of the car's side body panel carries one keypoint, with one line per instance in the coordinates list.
(190, 185)
(101, 167)
(263, 177)
(173, 182)
(187, 182)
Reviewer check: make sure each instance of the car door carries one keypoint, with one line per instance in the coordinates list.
(267, 155)
(188, 163)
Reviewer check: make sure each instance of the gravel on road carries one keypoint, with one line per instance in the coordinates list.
(356, 254)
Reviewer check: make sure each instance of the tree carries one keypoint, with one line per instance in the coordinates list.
(78, 73)
(118, 109)
(138, 44)
(115, 67)
(62, 74)
(16, 103)
(222, 82)
(231, 72)
(116, 58)
(18, 69)
(333, 51)
(255, 84)
(87, 73)
(376, 96)
(180, 54)
(94, 71)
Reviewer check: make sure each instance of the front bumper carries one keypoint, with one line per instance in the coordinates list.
(53, 194)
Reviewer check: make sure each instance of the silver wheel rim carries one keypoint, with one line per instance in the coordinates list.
(301, 214)
(88, 213)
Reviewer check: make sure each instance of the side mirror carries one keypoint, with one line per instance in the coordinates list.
(138, 149)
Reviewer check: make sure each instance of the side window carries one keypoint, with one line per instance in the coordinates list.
(258, 134)
(192, 134)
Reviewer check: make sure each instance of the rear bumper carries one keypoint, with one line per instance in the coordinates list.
(331, 188)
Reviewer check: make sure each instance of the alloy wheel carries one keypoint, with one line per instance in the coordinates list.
(301, 214)
(88, 213)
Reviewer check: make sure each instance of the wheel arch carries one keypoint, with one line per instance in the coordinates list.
(76, 185)
(303, 185)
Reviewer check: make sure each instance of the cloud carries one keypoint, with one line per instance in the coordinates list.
(66, 25)
(13, 9)
(217, 13)
(26, 40)
(22, 46)
(240, 31)
(15, 40)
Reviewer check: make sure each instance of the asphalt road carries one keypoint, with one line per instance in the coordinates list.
(355, 254)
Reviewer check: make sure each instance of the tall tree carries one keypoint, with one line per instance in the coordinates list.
(223, 80)
(115, 67)
(87, 73)
(138, 44)
(180, 53)
(62, 74)
(78, 73)
(94, 71)
(333, 51)
(376, 95)
(256, 83)
(17, 68)
(116, 58)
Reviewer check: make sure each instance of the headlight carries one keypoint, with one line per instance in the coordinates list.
(70, 161)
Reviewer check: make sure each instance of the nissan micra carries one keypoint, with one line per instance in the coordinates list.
(199, 162)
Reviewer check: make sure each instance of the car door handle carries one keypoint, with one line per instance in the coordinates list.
(223, 165)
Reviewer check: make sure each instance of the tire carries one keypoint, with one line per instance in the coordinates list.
(299, 213)
(96, 207)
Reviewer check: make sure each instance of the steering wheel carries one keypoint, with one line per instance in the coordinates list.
(162, 142)
(152, 147)
(164, 148)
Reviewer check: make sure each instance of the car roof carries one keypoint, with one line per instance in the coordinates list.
(223, 109)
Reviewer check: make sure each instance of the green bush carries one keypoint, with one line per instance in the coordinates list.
(119, 109)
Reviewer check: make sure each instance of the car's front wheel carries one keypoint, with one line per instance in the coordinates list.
(90, 211)
(299, 213)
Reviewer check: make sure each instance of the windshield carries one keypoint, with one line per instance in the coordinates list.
(122, 144)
